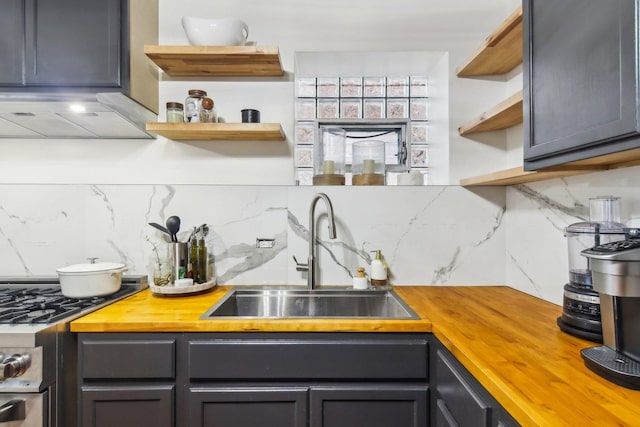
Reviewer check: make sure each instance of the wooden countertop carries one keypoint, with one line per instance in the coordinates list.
(507, 339)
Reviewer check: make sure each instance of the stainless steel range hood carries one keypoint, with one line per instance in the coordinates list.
(69, 115)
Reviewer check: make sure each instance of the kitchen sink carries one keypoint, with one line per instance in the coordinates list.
(304, 303)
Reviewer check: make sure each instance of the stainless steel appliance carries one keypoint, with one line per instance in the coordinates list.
(616, 277)
(38, 357)
(581, 304)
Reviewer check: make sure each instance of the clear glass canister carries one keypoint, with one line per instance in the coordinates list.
(208, 113)
(175, 112)
(329, 156)
(603, 227)
(368, 166)
(193, 104)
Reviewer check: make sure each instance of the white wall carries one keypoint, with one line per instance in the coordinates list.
(453, 26)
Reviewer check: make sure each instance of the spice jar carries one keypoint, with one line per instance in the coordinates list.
(208, 113)
(193, 104)
(175, 112)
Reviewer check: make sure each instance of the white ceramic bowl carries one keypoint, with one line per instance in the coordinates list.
(215, 32)
(90, 280)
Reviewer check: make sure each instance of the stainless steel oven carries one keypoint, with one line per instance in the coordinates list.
(38, 353)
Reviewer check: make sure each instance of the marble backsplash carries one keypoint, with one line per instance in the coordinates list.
(430, 235)
(537, 259)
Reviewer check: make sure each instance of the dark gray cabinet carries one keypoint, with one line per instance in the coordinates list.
(127, 406)
(371, 406)
(458, 398)
(257, 379)
(63, 43)
(127, 380)
(581, 93)
(277, 379)
(247, 406)
(301, 379)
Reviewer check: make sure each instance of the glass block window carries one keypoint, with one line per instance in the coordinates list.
(357, 102)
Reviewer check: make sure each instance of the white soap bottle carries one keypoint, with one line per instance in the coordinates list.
(379, 272)
(360, 281)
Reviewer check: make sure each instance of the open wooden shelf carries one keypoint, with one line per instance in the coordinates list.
(212, 61)
(217, 131)
(518, 175)
(504, 115)
(500, 52)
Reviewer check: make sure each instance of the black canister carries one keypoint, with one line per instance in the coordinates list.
(250, 116)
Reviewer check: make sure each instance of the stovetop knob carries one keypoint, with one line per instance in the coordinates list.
(14, 366)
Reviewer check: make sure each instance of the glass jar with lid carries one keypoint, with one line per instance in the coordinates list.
(193, 105)
(175, 112)
(208, 113)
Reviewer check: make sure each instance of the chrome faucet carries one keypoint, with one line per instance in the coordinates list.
(310, 266)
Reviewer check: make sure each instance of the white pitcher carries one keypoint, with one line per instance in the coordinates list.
(215, 32)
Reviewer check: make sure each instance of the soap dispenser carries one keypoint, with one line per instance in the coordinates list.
(360, 281)
(379, 271)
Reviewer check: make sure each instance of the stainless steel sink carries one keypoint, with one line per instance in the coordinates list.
(267, 303)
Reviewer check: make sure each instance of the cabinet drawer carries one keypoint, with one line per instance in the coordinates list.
(464, 404)
(104, 358)
(315, 358)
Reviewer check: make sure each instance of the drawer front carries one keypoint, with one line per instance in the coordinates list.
(127, 358)
(458, 396)
(226, 359)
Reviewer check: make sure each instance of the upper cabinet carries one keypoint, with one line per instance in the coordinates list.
(79, 46)
(60, 43)
(580, 82)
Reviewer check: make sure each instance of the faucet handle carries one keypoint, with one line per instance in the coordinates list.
(300, 266)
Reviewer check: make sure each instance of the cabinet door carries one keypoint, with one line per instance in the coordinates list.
(247, 407)
(73, 42)
(580, 85)
(12, 42)
(127, 406)
(457, 394)
(371, 406)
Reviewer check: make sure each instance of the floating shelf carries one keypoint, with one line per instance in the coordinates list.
(500, 52)
(518, 175)
(216, 131)
(212, 61)
(504, 115)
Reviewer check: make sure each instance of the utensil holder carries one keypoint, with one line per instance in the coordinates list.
(178, 252)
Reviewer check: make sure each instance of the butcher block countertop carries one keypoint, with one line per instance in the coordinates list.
(507, 339)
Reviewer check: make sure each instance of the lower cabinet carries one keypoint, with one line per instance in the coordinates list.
(254, 380)
(279, 380)
(247, 407)
(371, 406)
(315, 406)
(459, 399)
(127, 406)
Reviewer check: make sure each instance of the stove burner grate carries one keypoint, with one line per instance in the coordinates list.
(44, 305)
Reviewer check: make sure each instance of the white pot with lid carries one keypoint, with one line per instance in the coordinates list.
(91, 279)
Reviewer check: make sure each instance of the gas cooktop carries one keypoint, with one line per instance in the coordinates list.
(39, 301)
(45, 304)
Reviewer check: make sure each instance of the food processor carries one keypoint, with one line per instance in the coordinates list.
(581, 303)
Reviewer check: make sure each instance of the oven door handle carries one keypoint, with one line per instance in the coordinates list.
(13, 410)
